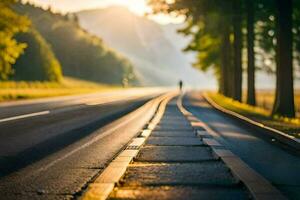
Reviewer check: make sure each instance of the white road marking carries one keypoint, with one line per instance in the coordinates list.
(24, 116)
(103, 101)
(98, 137)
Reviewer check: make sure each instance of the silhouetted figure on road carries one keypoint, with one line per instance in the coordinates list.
(180, 84)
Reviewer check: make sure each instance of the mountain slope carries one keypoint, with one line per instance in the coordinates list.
(145, 42)
(81, 54)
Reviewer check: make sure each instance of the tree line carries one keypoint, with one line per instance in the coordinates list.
(39, 45)
(267, 29)
(10, 49)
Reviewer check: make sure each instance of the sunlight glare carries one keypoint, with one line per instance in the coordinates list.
(139, 7)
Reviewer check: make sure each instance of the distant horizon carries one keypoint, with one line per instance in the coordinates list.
(137, 7)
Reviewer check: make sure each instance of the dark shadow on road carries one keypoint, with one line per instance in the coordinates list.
(12, 164)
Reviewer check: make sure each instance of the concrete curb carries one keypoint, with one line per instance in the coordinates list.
(104, 184)
(283, 138)
(258, 186)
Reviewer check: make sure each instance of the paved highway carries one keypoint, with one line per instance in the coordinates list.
(175, 164)
(277, 165)
(54, 147)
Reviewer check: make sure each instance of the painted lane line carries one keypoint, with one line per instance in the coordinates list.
(25, 116)
(124, 122)
(59, 110)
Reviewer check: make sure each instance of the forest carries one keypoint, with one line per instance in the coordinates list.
(40, 45)
(264, 32)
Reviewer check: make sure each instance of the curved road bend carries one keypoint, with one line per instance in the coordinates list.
(56, 153)
(277, 165)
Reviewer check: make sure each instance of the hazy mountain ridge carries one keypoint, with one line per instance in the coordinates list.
(148, 44)
(81, 54)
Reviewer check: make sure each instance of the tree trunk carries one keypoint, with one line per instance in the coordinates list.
(225, 60)
(251, 98)
(284, 99)
(237, 31)
(221, 80)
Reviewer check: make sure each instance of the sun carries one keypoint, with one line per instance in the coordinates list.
(139, 7)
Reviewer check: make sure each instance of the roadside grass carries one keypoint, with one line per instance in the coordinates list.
(12, 90)
(259, 114)
(265, 99)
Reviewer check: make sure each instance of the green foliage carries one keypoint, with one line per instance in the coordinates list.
(38, 62)
(206, 43)
(80, 54)
(205, 19)
(10, 24)
(204, 16)
(273, 24)
(265, 33)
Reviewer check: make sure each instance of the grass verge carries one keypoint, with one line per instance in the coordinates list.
(261, 115)
(265, 99)
(11, 90)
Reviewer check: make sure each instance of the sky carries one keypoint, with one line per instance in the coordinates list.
(139, 7)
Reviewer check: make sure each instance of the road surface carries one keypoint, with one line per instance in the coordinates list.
(52, 149)
(277, 165)
(56, 146)
(175, 164)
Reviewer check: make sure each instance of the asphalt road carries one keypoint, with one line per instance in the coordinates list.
(175, 164)
(50, 149)
(277, 165)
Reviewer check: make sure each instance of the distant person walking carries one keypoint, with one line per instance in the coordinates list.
(180, 84)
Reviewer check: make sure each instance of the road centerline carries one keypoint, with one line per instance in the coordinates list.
(46, 112)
